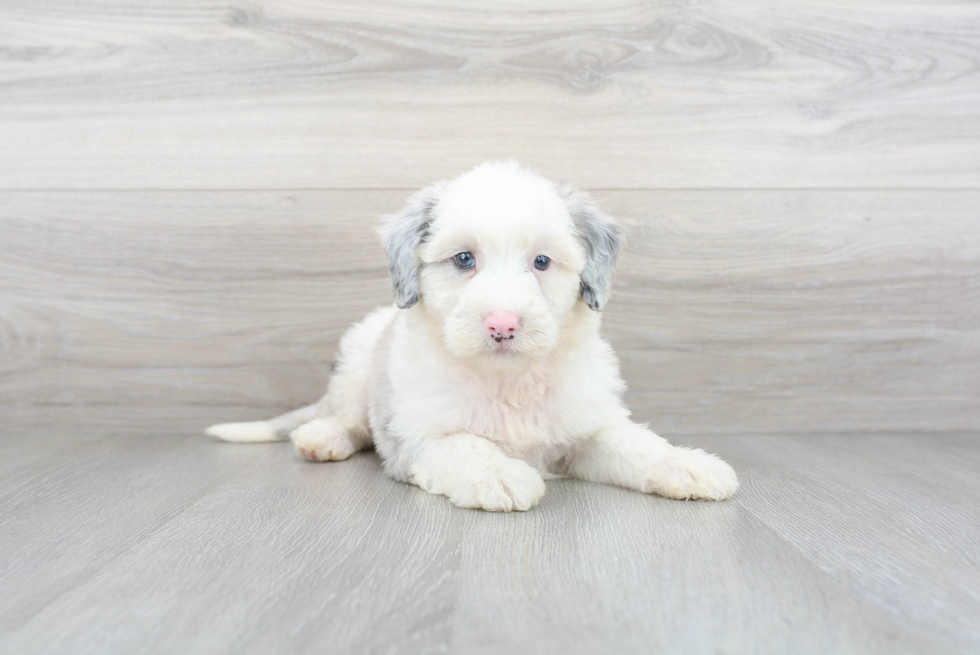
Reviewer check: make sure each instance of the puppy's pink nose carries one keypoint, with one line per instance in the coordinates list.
(502, 325)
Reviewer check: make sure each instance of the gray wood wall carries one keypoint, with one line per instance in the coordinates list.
(188, 193)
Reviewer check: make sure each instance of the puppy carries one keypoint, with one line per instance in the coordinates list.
(490, 375)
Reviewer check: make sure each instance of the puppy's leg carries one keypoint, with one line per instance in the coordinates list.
(326, 439)
(341, 426)
(629, 455)
(474, 473)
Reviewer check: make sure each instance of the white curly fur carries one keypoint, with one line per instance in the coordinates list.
(482, 422)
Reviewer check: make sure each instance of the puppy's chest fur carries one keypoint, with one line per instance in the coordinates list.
(517, 413)
(533, 416)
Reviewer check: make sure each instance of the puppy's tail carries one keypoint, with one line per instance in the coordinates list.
(275, 429)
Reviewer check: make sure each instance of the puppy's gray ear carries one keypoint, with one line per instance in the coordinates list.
(401, 235)
(602, 237)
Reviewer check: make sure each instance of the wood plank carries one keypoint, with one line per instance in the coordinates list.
(602, 570)
(66, 516)
(267, 552)
(894, 518)
(734, 311)
(810, 311)
(288, 94)
(117, 300)
(21, 449)
(284, 556)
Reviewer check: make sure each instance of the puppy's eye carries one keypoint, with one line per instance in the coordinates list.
(464, 260)
(541, 262)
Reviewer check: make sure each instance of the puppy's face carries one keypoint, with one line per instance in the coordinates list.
(499, 258)
(500, 269)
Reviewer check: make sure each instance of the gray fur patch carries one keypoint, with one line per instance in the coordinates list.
(602, 237)
(401, 235)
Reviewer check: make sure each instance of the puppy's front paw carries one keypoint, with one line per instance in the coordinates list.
(688, 474)
(514, 486)
(322, 440)
(511, 485)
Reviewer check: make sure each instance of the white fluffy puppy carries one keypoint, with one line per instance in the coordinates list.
(490, 374)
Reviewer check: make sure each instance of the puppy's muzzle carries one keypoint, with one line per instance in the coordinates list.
(502, 325)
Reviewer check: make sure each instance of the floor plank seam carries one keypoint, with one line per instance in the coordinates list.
(899, 622)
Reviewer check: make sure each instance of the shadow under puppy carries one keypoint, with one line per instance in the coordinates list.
(490, 374)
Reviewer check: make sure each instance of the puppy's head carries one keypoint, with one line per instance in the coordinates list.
(499, 258)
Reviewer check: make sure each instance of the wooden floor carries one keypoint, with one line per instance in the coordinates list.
(837, 544)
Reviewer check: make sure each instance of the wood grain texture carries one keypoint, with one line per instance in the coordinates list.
(188, 192)
(682, 578)
(305, 559)
(824, 311)
(852, 544)
(298, 94)
(733, 312)
(870, 518)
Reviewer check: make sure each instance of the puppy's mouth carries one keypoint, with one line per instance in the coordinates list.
(502, 344)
